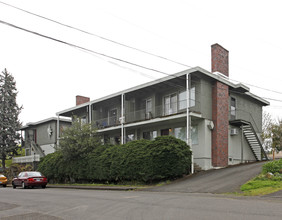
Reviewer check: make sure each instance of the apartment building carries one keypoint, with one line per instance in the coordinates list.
(222, 121)
(39, 139)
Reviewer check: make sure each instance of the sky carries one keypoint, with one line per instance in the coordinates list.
(49, 74)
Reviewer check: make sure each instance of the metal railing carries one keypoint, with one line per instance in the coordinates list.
(27, 159)
(142, 114)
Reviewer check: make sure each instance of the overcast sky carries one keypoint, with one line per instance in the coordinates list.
(50, 74)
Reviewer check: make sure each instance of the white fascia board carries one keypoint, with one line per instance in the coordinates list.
(72, 108)
(218, 77)
(226, 81)
(258, 98)
(42, 122)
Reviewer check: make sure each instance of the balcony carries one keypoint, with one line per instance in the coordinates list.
(27, 159)
(142, 115)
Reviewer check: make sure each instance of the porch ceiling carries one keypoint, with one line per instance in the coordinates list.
(179, 83)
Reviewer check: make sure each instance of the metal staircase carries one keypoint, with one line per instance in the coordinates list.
(254, 142)
(37, 149)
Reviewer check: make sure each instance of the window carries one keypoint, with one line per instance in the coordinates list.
(194, 135)
(149, 135)
(233, 108)
(148, 108)
(192, 97)
(170, 104)
(180, 133)
(182, 103)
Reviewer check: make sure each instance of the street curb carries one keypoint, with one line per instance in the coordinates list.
(114, 188)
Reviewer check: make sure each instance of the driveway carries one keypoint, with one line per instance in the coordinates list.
(214, 181)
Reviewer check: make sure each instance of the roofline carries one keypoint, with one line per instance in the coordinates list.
(258, 98)
(43, 121)
(216, 76)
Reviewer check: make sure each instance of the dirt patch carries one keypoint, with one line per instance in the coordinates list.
(6, 206)
(31, 216)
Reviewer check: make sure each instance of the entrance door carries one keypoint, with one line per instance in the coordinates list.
(165, 132)
(170, 104)
(113, 117)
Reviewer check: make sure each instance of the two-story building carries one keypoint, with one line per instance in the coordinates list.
(39, 139)
(222, 121)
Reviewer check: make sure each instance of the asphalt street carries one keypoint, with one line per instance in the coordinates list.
(55, 204)
(193, 197)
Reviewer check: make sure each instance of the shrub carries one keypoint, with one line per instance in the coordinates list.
(272, 167)
(142, 161)
(53, 167)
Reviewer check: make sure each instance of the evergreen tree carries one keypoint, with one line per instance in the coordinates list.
(9, 117)
(277, 135)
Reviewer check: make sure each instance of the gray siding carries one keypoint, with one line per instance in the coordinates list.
(205, 97)
(249, 110)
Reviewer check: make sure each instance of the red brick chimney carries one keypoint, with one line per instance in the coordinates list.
(220, 58)
(220, 108)
(81, 99)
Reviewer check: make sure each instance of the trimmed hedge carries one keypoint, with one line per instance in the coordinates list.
(143, 161)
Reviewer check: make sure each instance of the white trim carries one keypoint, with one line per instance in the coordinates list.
(172, 76)
(42, 122)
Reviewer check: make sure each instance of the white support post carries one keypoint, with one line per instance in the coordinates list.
(122, 118)
(188, 120)
(242, 145)
(58, 130)
(89, 114)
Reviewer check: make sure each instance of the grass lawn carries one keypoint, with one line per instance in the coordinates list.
(259, 187)
(269, 181)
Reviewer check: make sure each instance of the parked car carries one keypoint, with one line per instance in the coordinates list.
(3, 180)
(30, 179)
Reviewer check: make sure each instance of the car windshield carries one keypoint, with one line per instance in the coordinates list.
(34, 174)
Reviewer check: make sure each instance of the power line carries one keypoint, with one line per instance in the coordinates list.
(101, 37)
(105, 55)
(121, 44)
(270, 90)
(82, 48)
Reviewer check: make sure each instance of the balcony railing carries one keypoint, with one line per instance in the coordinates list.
(27, 159)
(142, 114)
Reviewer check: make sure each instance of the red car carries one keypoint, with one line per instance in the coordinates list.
(30, 179)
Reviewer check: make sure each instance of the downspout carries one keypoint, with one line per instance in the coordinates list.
(188, 120)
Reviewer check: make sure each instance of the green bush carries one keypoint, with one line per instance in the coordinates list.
(273, 167)
(141, 161)
(163, 158)
(53, 167)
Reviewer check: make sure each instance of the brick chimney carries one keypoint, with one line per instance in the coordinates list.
(220, 108)
(81, 99)
(220, 59)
